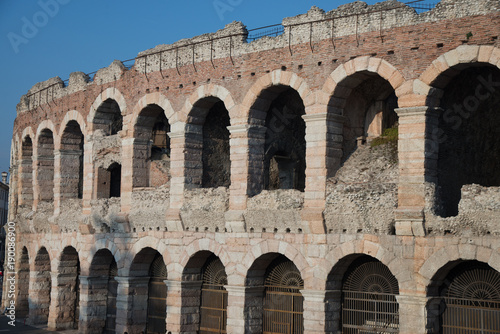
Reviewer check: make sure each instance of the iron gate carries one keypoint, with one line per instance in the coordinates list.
(110, 326)
(213, 307)
(157, 297)
(283, 302)
(472, 302)
(369, 300)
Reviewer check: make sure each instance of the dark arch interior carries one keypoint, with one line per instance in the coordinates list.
(468, 134)
(115, 171)
(40, 293)
(46, 165)
(22, 307)
(368, 107)
(360, 278)
(108, 117)
(69, 269)
(152, 124)
(27, 172)
(285, 146)
(215, 155)
(466, 298)
(72, 142)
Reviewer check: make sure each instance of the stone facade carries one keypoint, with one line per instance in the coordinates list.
(109, 175)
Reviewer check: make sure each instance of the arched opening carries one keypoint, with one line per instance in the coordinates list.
(68, 298)
(151, 292)
(23, 274)
(109, 181)
(275, 304)
(103, 271)
(204, 279)
(282, 152)
(467, 299)
(468, 132)
(367, 299)
(108, 118)
(45, 166)
(72, 161)
(26, 173)
(367, 101)
(207, 144)
(151, 148)
(40, 289)
(285, 147)
(215, 154)
(157, 296)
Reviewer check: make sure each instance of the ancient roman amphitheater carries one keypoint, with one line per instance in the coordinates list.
(339, 176)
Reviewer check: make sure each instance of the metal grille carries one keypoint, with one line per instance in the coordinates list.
(283, 302)
(369, 300)
(157, 297)
(213, 298)
(473, 302)
(110, 326)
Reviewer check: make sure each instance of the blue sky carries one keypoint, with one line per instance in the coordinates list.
(40, 39)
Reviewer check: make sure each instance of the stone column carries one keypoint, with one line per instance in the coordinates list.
(25, 182)
(36, 186)
(93, 304)
(178, 179)
(127, 183)
(39, 303)
(88, 176)
(417, 153)
(323, 156)
(235, 309)
(246, 145)
(62, 303)
(14, 194)
(314, 311)
(183, 306)
(131, 304)
(57, 181)
(66, 175)
(412, 314)
(174, 306)
(135, 169)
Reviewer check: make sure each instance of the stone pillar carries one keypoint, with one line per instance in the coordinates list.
(62, 302)
(131, 304)
(93, 304)
(39, 298)
(174, 306)
(57, 181)
(314, 311)
(66, 177)
(235, 309)
(14, 194)
(412, 314)
(88, 177)
(178, 179)
(22, 287)
(135, 169)
(36, 186)
(183, 306)
(323, 156)
(25, 182)
(417, 153)
(246, 171)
